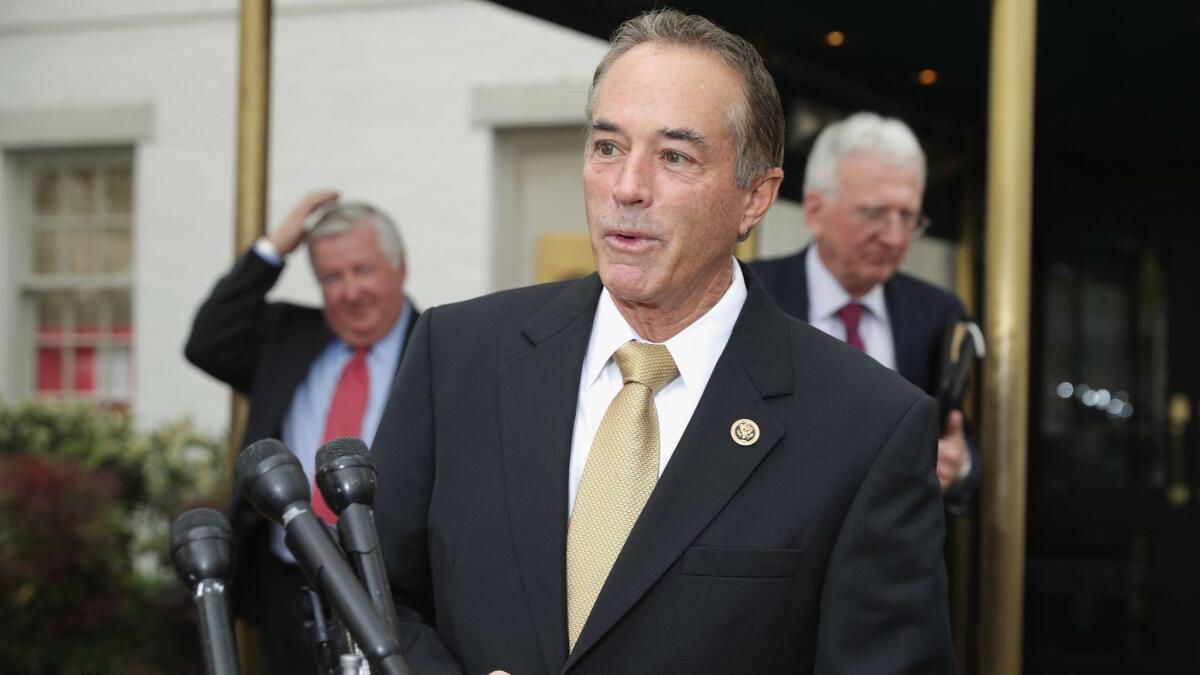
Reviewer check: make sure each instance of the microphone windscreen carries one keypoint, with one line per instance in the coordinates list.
(255, 453)
(346, 446)
(196, 518)
(202, 546)
(345, 473)
(270, 477)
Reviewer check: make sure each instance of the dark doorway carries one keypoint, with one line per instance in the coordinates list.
(1112, 546)
(1112, 553)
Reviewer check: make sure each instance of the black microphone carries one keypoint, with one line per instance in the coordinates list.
(202, 552)
(347, 479)
(271, 479)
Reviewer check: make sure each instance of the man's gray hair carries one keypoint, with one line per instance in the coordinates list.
(884, 137)
(756, 121)
(341, 217)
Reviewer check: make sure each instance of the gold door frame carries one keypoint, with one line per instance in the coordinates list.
(1006, 295)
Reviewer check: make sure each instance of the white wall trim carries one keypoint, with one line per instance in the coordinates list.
(88, 18)
(529, 105)
(76, 127)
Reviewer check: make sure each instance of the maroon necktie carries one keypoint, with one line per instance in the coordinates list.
(345, 415)
(850, 314)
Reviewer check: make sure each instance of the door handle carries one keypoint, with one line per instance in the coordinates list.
(1179, 413)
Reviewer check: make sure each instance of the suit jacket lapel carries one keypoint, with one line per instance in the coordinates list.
(708, 467)
(408, 331)
(538, 394)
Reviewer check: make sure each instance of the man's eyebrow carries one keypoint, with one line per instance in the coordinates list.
(686, 135)
(604, 125)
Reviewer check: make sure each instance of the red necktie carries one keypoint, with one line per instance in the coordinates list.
(345, 416)
(850, 314)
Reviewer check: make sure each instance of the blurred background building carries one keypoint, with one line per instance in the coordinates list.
(463, 119)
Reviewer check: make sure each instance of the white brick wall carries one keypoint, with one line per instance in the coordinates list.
(372, 98)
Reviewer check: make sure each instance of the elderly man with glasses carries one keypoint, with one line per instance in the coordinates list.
(862, 202)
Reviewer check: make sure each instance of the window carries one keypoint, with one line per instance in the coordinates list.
(77, 215)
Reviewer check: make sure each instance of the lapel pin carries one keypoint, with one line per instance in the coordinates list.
(744, 432)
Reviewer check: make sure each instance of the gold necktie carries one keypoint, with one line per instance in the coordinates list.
(618, 478)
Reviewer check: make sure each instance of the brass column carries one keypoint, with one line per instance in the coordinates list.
(250, 205)
(1006, 292)
(250, 201)
(254, 93)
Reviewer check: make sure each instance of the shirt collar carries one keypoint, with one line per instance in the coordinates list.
(826, 296)
(695, 349)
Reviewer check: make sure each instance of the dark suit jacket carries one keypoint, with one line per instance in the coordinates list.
(816, 549)
(920, 314)
(262, 350)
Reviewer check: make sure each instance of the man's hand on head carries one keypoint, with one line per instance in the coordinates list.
(952, 451)
(288, 235)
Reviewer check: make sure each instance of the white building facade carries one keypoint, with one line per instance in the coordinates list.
(371, 98)
(460, 118)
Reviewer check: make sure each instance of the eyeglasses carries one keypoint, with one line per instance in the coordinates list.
(877, 218)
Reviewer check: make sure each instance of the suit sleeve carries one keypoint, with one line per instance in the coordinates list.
(884, 604)
(227, 333)
(404, 455)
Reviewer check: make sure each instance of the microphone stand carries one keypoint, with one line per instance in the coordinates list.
(334, 648)
(352, 664)
(321, 636)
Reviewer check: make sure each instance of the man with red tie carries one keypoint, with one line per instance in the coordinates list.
(311, 374)
(863, 189)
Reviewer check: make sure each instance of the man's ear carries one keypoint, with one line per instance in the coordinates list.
(759, 198)
(816, 204)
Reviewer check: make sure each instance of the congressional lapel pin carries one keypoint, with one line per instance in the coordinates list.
(744, 432)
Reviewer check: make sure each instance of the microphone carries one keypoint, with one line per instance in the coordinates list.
(347, 479)
(271, 479)
(202, 553)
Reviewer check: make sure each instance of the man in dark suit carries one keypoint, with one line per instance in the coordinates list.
(863, 189)
(654, 469)
(311, 374)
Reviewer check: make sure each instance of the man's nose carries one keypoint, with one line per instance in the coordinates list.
(633, 183)
(894, 232)
(352, 289)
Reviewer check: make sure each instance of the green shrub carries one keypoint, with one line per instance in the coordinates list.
(86, 500)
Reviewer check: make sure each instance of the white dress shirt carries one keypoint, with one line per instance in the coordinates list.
(695, 351)
(826, 296)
